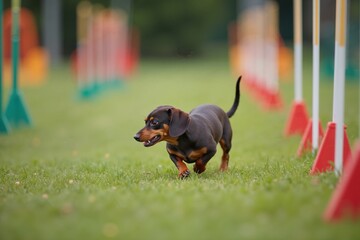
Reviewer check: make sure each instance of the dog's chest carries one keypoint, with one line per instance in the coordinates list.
(187, 152)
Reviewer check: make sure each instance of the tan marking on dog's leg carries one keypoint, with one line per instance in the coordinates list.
(183, 169)
(224, 162)
(225, 157)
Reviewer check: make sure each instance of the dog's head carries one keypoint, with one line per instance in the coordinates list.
(164, 123)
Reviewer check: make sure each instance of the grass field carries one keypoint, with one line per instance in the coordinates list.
(79, 174)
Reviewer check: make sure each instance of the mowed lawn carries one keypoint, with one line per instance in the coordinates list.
(77, 173)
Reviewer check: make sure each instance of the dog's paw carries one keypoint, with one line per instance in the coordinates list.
(199, 167)
(223, 167)
(184, 174)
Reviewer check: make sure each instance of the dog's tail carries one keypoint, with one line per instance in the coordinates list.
(235, 105)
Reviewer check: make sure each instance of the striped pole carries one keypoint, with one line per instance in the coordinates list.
(4, 126)
(339, 81)
(15, 42)
(316, 75)
(16, 111)
(298, 49)
(1, 57)
(298, 118)
(271, 72)
(83, 12)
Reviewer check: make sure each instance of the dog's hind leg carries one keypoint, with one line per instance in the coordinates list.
(200, 164)
(225, 143)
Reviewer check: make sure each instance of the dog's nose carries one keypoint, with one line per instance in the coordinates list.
(137, 137)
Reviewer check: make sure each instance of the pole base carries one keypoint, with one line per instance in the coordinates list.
(272, 100)
(297, 120)
(345, 201)
(16, 111)
(306, 141)
(325, 158)
(267, 98)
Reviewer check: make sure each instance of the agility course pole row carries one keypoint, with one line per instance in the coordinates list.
(345, 200)
(255, 51)
(335, 147)
(102, 48)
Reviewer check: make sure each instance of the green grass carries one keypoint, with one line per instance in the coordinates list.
(78, 173)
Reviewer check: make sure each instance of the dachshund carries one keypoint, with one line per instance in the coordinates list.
(191, 137)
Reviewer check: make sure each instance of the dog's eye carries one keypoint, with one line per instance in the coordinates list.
(154, 123)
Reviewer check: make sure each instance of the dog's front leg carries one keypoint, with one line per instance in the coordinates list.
(181, 166)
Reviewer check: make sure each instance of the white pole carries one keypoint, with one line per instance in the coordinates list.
(113, 29)
(90, 51)
(259, 70)
(339, 82)
(98, 43)
(316, 74)
(271, 47)
(298, 49)
(82, 18)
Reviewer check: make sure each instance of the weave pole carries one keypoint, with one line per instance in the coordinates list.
(335, 146)
(339, 81)
(4, 126)
(16, 111)
(298, 45)
(316, 126)
(298, 118)
(271, 67)
(313, 131)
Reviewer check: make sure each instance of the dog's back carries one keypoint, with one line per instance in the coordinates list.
(208, 117)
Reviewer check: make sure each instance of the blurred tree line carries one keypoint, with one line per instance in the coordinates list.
(181, 27)
(166, 28)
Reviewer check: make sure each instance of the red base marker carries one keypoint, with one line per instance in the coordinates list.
(306, 141)
(326, 154)
(268, 99)
(298, 119)
(345, 201)
(272, 100)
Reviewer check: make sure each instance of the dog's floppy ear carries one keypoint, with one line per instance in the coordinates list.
(179, 122)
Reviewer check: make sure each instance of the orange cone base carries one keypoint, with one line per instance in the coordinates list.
(325, 157)
(306, 141)
(250, 83)
(268, 99)
(298, 119)
(345, 201)
(272, 101)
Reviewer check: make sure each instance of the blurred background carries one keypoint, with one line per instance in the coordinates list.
(174, 28)
(104, 41)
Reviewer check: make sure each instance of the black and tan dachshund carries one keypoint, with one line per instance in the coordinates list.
(193, 137)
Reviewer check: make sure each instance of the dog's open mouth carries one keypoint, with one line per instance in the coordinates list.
(152, 141)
